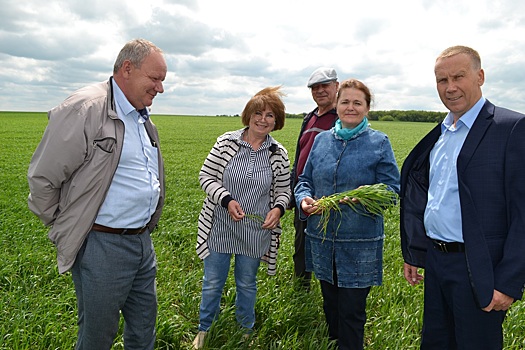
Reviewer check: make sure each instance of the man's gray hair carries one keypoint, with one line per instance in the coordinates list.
(135, 51)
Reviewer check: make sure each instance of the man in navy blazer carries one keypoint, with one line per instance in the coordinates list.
(463, 211)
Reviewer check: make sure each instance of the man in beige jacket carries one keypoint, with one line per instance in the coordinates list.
(97, 180)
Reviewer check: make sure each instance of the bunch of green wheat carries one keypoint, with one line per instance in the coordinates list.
(369, 200)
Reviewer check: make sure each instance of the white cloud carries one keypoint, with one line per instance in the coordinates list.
(220, 53)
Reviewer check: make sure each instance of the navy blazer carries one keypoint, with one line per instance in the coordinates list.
(491, 179)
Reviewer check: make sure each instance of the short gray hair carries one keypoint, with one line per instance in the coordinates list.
(135, 51)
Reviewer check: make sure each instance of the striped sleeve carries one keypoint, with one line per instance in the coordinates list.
(210, 179)
(210, 175)
(281, 191)
(280, 196)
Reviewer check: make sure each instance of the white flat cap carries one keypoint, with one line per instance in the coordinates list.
(322, 75)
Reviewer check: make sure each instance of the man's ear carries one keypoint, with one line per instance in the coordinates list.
(481, 77)
(127, 68)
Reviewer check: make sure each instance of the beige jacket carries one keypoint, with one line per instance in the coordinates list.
(73, 166)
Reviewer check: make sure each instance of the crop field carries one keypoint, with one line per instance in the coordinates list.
(39, 305)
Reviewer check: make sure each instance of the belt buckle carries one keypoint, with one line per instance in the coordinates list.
(442, 246)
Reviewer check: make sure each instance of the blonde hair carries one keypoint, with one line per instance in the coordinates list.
(270, 97)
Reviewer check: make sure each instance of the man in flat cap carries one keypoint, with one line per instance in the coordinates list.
(323, 86)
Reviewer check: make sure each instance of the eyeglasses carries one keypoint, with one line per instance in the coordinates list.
(259, 116)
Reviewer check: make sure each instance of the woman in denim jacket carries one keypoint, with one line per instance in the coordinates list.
(348, 257)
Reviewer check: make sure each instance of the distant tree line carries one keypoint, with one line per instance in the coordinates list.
(395, 115)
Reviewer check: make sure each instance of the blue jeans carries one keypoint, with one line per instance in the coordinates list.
(115, 274)
(216, 268)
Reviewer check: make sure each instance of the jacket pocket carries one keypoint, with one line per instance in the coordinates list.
(106, 144)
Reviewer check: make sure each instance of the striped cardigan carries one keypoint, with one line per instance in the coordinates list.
(210, 179)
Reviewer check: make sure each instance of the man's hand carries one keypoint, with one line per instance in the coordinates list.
(411, 274)
(500, 302)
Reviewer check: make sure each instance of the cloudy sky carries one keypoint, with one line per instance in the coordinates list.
(221, 52)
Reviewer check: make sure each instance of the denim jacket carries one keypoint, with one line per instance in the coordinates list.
(353, 242)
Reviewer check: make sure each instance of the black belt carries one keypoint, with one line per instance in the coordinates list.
(448, 247)
(119, 231)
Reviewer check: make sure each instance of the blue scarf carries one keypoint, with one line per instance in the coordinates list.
(345, 133)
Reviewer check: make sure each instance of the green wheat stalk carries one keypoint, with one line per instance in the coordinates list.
(371, 200)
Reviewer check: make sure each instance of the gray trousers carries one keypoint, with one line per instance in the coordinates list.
(115, 274)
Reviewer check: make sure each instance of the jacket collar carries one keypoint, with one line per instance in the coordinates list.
(480, 126)
(111, 110)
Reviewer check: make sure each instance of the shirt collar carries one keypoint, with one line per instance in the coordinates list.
(466, 119)
(237, 136)
(123, 103)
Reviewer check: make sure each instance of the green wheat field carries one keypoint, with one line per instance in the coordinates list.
(39, 305)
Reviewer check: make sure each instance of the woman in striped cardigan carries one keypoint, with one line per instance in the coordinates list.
(246, 177)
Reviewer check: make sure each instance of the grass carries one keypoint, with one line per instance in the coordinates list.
(39, 305)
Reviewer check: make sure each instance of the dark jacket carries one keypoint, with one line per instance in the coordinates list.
(491, 180)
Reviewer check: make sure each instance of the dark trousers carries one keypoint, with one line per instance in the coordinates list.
(345, 312)
(452, 319)
(299, 255)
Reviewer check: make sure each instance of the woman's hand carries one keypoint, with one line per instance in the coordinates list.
(272, 219)
(347, 199)
(308, 205)
(235, 210)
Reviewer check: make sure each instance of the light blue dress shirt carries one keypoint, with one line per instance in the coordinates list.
(443, 211)
(135, 189)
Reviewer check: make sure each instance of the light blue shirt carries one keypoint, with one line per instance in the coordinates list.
(443, 211)
(135, 189)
